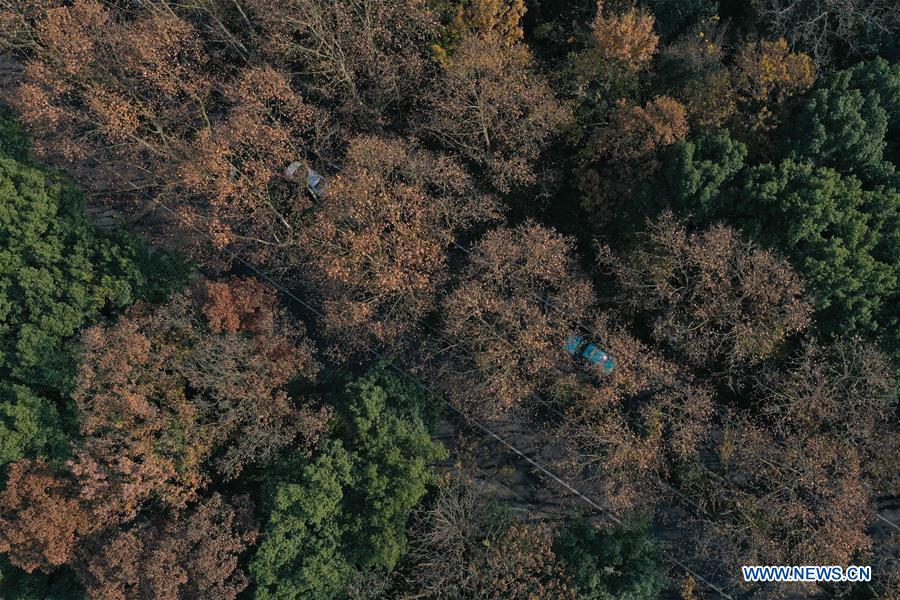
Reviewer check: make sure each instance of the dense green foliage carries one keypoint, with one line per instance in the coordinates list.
(29, 425)
(57, 272)
(622, 563)
(847, 122)
(348, 506)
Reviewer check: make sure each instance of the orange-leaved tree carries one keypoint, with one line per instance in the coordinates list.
(378, 243)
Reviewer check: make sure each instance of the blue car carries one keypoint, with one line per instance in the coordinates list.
(580, 347)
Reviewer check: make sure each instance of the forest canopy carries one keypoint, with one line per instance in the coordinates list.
(448, 299)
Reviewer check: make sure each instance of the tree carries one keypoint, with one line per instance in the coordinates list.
(142, 434)
(623, 435)
(189, 555)
(840, 236)
(520, 566)
(620, 562)
(300, 554)
(161, 391)
(139, 84)
(790, 500)
(803, 459)
(463, 18)
(507, 318)
(846, 387)
(766, 76)
(490, 107)
(635, 133)
(627, 38)
(692, 70)
(448, 534)
(57, 273)
(690, 179)
(625, 148)
(231, 184)
(30, 425)
(718, 301)
(466, 548)
(347, 508)
(41, 516)
(365, 58)
(377, 244)
(844, 123)
(829, 30)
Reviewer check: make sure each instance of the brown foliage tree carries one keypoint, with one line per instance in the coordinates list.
(134, 381)
(241, 375)
(132, 101)
(800, 468)
(461, 553)
(636, 133)
(490, 108)
(464, 18)
(124, 91)
(790, 500)
(623, 435)
(378, 243)
(693, 70)
(766, 75)
(189, 555)
(521, 565)
(232, 182)
(41, 516)
(625, 150)
(714, 298)
(365, 57)
(508, 317)
(627, 38)
(847, 388)
(141, 431)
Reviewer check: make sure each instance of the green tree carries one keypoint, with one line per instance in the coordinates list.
(843, 123)
(29, 425)
(623, 563)
(57, 273)
(301, 554)
(842, 239)
(690, 179)
(348, 507)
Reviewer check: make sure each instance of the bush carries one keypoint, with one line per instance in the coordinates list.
(348, 507)
(623, 563)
